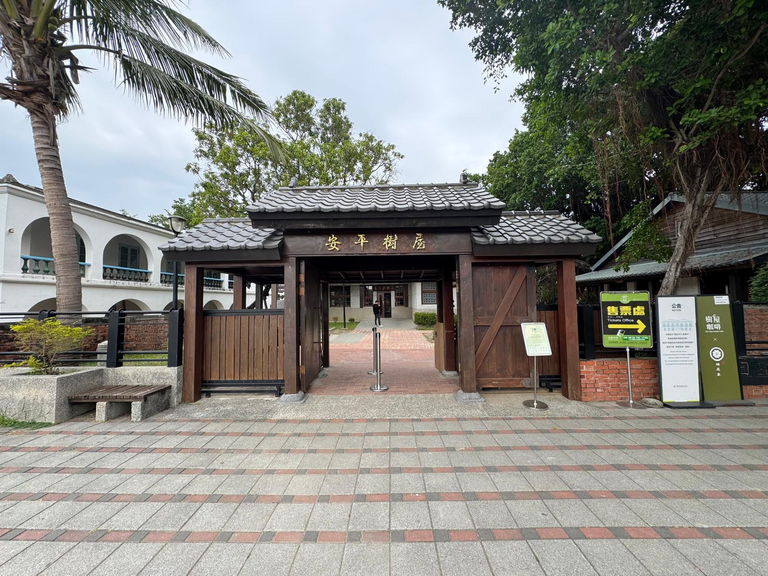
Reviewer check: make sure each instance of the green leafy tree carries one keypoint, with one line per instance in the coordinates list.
(235, 167)
(758, 285)
(680, 85)
(148, 44)
(46, 340)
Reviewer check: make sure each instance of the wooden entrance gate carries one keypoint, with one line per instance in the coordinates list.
(243, 350)
(504, 295)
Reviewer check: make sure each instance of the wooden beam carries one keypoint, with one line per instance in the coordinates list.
(273, 296)
(193, 333)
(466, 326)
(258, 304)
(291, 328)
(238, 293)
(568, 325)
(448, 323)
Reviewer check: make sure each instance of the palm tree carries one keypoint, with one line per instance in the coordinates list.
(147, 42)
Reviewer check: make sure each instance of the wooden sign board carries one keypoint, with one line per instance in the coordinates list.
(412, 242)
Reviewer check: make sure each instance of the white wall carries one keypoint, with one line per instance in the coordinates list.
(20, 206)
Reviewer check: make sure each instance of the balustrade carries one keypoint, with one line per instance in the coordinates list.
(126, 274)
(44, 266)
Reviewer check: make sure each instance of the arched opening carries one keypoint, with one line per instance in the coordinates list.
(47, 304)
(128, 259)
(129, 304)
(37, 252)
(213, 305)
(170, 305)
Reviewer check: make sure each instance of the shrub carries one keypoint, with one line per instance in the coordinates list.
(350, 319)
(425, 318)
(45, 340)
(758, 285)
(335, 318)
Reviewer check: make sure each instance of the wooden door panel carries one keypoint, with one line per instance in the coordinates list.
(311, 323)
(503, 296)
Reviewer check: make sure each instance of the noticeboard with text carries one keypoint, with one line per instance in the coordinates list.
(717, 349)
(626, 319)
(536, 339)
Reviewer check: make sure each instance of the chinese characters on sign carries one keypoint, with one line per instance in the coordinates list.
(388, 242)
(626, 319)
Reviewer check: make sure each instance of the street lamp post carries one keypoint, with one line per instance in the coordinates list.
(177, 224)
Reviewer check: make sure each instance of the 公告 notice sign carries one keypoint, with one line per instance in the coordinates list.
(678, 349)
(626, 319)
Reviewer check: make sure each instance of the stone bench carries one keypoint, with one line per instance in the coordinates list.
(113, 401)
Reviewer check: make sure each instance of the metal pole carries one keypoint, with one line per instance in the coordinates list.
(176, 285)
(631, 402)
(535, 404)
(378, 387)
(373, 370)
(344, 304)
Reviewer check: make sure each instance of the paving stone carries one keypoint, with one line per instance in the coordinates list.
(572, 513)
(368, 559)
(174, 559)
(330, 517)
(369, 516)
(54, 516)
(531, 514)
(661, 558)
(754, 553)
(172, 516)
(561, 558)
(222, 559)
(318, 560)
(249, 517)
(711, 558)
(512, 559)
(34, 559)
(93, 516)
(409, 559)
(9, 549)
(463, 559)
(210, 517)
(132, 516)
(611, 558)
(450, 515)
(270, 559)
(491, 514)
(81, 558)
(410, 516)
(289, 517)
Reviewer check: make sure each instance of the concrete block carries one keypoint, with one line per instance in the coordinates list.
(101, 349)
(298, 398)
(144, 375)
(468, 397)
(152, 405)
(109, 410)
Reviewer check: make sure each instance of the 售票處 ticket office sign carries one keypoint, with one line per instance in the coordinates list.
(626, 319)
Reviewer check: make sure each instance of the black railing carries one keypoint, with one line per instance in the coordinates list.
(110, 326)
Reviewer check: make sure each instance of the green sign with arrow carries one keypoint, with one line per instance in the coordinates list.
(626, 319)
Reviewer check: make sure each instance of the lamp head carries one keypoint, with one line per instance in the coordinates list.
(177, 223)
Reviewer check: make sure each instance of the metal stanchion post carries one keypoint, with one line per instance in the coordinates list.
(631, 403)
(378, 387)
(373, 355)
(535, 404)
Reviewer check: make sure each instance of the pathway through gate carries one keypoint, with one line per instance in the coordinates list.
(408, 363)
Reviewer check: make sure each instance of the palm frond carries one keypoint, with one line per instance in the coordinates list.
(184, 95)
(95, 21)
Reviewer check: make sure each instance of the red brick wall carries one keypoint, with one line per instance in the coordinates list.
(754, 392)
(756, 325)
(605, 379)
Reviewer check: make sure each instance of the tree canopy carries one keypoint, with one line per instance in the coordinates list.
(235, 167)
(672, 96)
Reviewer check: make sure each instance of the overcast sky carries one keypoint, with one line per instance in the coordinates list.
(404, 75)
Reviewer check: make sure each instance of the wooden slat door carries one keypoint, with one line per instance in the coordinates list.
(504, 295)
(310, 310)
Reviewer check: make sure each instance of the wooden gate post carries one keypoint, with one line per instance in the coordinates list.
(467, 374)
(291, 328)
(193, 333)
(238, 292)
(568, 326)
(449, 327)
(325, 302)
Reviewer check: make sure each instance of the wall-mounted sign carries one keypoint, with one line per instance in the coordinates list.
(678, 349)
(717, 349)
(626, 319)
(536, 339)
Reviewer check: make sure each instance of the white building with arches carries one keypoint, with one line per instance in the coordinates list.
(120, 263)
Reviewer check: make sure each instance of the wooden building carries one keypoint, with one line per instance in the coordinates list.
(456, 235)
(732, 242)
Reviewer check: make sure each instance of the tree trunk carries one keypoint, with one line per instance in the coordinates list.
(695, 213)
(63, 239)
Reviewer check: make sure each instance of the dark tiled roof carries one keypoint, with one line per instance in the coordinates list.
(533, 228)
(377, 198)
(716, 258)
(224, 234)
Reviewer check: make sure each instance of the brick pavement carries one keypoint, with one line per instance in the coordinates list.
(408, 363)
(627, 492)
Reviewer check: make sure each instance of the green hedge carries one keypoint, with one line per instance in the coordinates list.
(425, 318)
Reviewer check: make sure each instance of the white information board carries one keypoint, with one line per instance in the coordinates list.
(536, 339)
(678, 349)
